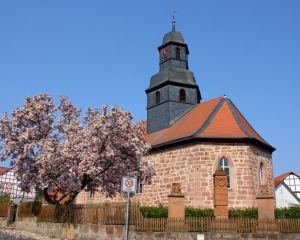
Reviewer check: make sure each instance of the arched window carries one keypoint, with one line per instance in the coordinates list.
(182, 96)
(261, 174)
(177, 50)
(157, 97)
(223, 164)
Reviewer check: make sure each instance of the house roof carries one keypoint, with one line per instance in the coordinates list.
(3, 169)
(217, 119)
(281, 178)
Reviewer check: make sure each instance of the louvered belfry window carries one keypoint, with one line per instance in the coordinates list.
(182, 95)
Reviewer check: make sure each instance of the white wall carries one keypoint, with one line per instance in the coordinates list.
(284, 198)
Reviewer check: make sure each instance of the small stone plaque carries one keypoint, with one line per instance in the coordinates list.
(200, 236)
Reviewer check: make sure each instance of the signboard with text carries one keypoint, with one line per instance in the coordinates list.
(129, 184)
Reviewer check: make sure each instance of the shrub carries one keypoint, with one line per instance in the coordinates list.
(154, 212)
(243, 213)
(5, 198)
(162, 212)
(200, 213)
(292, 212)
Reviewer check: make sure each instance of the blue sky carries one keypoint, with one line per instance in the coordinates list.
(99, 52)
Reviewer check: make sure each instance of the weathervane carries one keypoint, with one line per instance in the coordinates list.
(173, 21)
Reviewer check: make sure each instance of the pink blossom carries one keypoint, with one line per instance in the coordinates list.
(54, 146)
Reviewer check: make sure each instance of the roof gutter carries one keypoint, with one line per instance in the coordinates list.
(193, 139)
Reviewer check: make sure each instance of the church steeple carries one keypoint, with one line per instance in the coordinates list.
(173, 91)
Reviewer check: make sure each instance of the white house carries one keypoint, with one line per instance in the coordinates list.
(9, 185)
(287, 190)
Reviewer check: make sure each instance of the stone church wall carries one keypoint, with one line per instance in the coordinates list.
(193, 166)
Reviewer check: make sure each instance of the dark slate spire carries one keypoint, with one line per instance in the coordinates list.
(173, 91)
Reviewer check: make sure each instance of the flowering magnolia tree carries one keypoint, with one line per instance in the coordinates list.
(54, 147)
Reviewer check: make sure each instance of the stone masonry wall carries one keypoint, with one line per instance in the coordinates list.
(193, 166)
(116, 232)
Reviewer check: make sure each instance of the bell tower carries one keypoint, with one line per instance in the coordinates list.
(173, 91)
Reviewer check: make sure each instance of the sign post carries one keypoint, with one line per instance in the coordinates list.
(128, 185)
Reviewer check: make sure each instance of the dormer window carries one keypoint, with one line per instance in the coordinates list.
(157, 97)
(182, 96)
(177, 56)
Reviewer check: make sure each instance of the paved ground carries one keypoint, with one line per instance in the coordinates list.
(9, 234)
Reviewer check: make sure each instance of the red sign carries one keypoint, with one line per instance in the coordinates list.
(128, 184)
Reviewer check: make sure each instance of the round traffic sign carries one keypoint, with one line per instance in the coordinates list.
(129, 183)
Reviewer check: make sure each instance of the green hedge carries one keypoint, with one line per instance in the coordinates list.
(5, 198)
(162, 212)
(292, 212)
(287, 213)
(201, 213)
(154, 212)
(243, 213)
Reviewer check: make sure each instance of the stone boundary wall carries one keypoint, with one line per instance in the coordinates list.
(116, 232)
(3, 222)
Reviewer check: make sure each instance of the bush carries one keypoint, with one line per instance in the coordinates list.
(154, 212)
(200, 213)
(243, 213)
(5, 198)
(280, 213)
(292, 212)
(162, 212)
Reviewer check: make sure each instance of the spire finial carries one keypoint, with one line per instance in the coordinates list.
(173, 21)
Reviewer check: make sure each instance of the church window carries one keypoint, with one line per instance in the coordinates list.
(91, 191)
(157, 97)
(223, 164)
(182, 95)
(177, 53)
(261, 174)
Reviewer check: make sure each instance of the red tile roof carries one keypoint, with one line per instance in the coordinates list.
(214, 119)
(281, 178)
(3, 169)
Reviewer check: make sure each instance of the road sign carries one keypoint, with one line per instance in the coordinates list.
(129, 184)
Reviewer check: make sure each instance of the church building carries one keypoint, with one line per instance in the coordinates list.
(190, 138)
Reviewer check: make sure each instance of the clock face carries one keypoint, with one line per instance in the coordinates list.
(164, 54)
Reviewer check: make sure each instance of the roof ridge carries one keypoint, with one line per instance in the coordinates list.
(189, 110)
(250, 135)
(288, 173)
(186, 112)
(210, 117)
(231, 106)
(290, 191)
